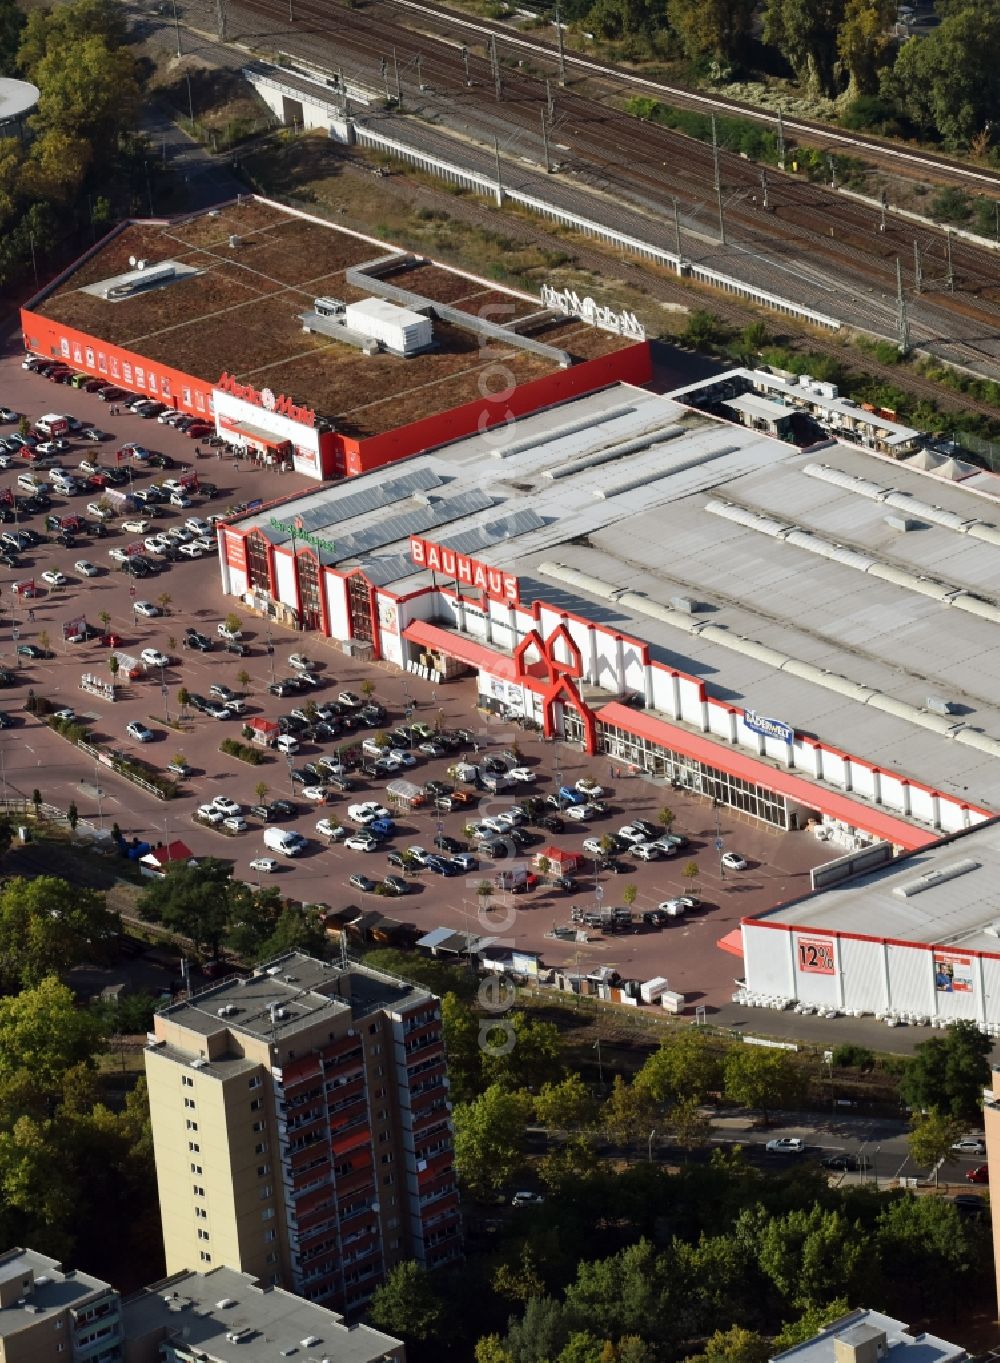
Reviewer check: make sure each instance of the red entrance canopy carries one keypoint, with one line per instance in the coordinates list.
(461, 647)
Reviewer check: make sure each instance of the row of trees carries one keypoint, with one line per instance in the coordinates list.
(80, 150)
(945, 85)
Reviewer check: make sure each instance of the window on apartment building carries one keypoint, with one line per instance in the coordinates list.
(380, 1093)
(194, 1147)
(205, 1257)
(387, 1159)
(187, 1081)
(383, 1136)
(377, 1050)
(257, 1126)
(190, 1102)
(394, 1244)
(203, 1234)
(267, 1214)
(255, 1105)
(196, 1169)
(373, 1027)
(198, 1190)
(260, 1148)
(271, 1257)
(379, 1071)
(201, 1214)
(192, 1126)
(388, 1179)
(393, 1223)
(265, 1192)
(270, 1235)
(263, 1170)
(255, 1082)
(383, 1114)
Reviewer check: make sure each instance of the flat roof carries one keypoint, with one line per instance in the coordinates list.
(751, 404)
(54, 1289)
(944, 895)
(862, 1325)
(17, 97)
(286, 996)
(803, 554)
(241, 313)
(203, 1309)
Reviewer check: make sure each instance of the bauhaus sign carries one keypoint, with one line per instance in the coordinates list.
(466, 571)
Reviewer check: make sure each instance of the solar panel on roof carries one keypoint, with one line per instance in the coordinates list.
(338, 510)
(412, 523)
(494, 532)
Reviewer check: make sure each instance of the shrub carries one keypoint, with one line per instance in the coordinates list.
(234, 748)
(848, 1056)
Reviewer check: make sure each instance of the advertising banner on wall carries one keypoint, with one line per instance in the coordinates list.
(816, 955)
(952, 972)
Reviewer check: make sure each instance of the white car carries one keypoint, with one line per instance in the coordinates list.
(593, 848)
(179, 499)
(647, 851)
(510, 818)
(54, 577)
(197, 526)
(67, 716)
(93, 434)
(147, 609)
(230, 635)
(209, 814)
(103, 513)
(152, 657)
(326, 828)
(52, 447)
(487, 828)
(632, 834)
(87, 466)
(523, 775)
(265, 864)
(315, 793)
(227, 804)
(786, 1145)
(588, 787)
(401, 757)
(119, 555)
(85, 568)
(299, 661)
(191, 550)
(970, 1145)
(674, 908)
(578, 813)
(139, 732)
(431, 748)
(362, 842)
(367, 812)
(732, 861)
(236, 824)
(157, 543)
(178, 533)
(171, 485)
(331, 765)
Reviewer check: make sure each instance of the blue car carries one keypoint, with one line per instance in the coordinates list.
(381, 828)
(569, 796)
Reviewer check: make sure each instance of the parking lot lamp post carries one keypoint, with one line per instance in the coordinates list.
(100, 796)
(291, 783)
(164, 693)
(270, 651)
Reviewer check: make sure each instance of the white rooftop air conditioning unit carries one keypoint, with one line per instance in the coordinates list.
(225, 1303)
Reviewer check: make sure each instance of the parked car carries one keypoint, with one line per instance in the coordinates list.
(732, 861)
(265, 865)
(139, 732)
(786, 1145)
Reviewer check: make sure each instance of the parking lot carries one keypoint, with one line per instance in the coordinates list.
(188, 596)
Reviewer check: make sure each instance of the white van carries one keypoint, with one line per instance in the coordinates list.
(372, 749)
(284, 840)
(287, 744)
(27, 482)
(52, 424)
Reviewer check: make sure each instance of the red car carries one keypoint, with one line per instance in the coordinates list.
(981, 1174)
(198, 431)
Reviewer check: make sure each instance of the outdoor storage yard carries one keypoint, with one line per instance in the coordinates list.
(35, 757)
(255, 271)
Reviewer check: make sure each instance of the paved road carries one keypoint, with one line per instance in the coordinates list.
(206, 179)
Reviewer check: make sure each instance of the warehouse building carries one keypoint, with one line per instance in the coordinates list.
(317, 348)
(684, 595)
(913, 940)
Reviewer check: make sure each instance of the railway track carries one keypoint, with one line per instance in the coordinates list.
(899, 159)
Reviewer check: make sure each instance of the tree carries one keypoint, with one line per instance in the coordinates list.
(534, 1058)
(540, 1335)
(368, 688)
(521, 1281)
(544, 866)
(490, 1135)
(192, 900)
(491, 1349)
(43, 639)
(408, 1304)
(36, 800)
(183, 697)
(931, 1137)
(45, 1036)
(260, 790)
(607, 845)
(948, 83)
(809, 1324)
(812, 1256)
(566, 1106)
(735, 1345)
(628, 1293)
(11, 24)
(628, 1113)
(164, 601)
(930, 1252)
(862, 42)
(73, 816)
(805, 33)
(691, 873)
(114, 667)
(757, 1077)
(949, 1073)
(687, 1065)
(243, 677)
(690, 1126)
(105, 619)
(179, 759)
(461, 1040)
(709, 28)
(666, 818)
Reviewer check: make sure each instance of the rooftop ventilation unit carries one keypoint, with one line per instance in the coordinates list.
(309, 1341)
(238, 1336)
(234, 241)
(225, 1303)
(939, 876)
(199, 1062)
(940, 705)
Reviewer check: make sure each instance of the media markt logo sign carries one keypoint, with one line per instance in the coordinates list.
(267, 400)
(570, 302)
(300, 536)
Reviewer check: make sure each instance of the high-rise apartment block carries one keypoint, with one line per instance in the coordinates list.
(52, 1315)
(301, 1128)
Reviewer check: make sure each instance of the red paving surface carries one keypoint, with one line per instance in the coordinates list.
(33, 756)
